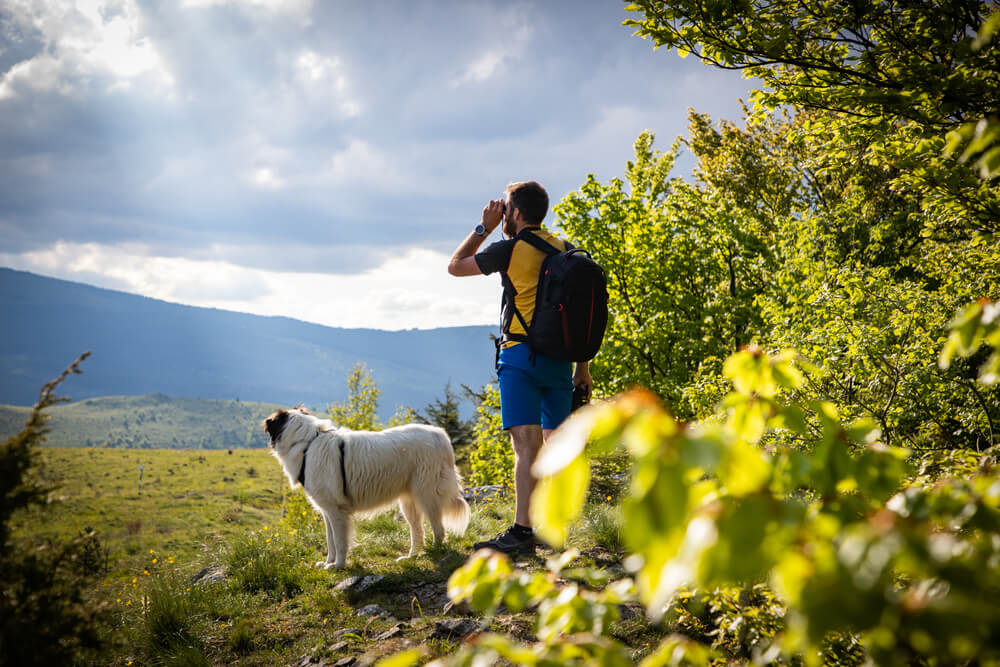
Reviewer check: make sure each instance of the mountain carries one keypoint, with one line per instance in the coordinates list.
(141, 346)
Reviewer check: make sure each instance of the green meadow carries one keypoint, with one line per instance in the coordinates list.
(234, 512)
(176, 501)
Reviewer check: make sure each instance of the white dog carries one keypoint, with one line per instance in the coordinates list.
(345, 472)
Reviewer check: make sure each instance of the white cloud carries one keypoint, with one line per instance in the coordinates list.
(361, 163)
(86, 39)
(292, 7)
(412, 289)
(480, 69)
(321, 81)
(267, 178)
(515, 40)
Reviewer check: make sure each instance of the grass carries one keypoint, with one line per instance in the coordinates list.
(199, 508)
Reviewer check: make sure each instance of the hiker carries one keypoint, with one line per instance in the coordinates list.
(536, 390)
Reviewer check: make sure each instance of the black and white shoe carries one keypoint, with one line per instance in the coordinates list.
(515, 541)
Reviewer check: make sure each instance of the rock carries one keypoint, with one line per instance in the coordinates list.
(308, 661)
(373, 610)
(395, 631)
(457, 608)
(359, 584)
(480, 493)
(455, 628)
(349, 631)
(339, 646)
(209, 575)
(346, 662)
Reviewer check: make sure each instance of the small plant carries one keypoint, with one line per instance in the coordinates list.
(263, 561)
(603, 523)
(241, 638)
(168, 615)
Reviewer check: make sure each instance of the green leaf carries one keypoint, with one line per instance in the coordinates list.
(745, 470)
(558, 501)
(404, 658)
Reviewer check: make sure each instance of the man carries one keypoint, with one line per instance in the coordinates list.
(536, 392)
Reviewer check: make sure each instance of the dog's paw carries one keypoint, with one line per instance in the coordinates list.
(406, 557)
(323, 565)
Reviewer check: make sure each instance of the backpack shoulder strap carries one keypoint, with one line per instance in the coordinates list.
(538, 242)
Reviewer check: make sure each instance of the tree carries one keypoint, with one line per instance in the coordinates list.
(360, 411)
(900, 74)
(444, 413)
(682, 272)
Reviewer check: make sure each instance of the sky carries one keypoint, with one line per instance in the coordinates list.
(313, 159)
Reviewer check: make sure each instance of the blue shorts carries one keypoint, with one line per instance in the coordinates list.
(533, 393)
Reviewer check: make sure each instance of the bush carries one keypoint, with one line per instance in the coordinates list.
(45, 617)
(492, 457)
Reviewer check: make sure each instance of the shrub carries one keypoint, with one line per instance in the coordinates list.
(492, 457)
(45, 617)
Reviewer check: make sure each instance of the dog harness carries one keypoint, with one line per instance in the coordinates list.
(302, 470)
(343, 473)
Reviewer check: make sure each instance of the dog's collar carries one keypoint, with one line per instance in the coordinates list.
(302, 470)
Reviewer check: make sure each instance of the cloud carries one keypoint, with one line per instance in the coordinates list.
(320, 139)
(82, 45)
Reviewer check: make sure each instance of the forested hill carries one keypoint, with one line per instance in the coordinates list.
(143, 346)
(151, 421)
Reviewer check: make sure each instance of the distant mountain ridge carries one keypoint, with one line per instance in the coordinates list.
(142, 345)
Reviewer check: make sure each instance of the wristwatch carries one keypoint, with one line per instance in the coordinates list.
(480, 230)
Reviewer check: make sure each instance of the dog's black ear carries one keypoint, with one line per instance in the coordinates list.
(275, 424)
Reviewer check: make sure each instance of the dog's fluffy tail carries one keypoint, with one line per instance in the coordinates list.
(455, 511)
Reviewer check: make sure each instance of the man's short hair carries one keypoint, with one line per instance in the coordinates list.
(531, 198)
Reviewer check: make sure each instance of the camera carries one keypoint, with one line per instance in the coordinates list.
(580, 397)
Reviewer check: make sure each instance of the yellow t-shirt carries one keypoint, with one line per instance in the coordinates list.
(521, 262)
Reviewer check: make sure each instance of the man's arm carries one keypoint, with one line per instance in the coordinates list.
(463, 260)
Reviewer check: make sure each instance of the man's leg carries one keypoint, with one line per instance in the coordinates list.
(527, 440)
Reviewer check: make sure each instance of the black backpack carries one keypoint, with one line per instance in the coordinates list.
(571, 304)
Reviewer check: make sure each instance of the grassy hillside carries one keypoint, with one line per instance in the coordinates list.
(234, 513)
(152, 421)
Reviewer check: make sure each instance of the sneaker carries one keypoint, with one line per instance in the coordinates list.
(511, 542)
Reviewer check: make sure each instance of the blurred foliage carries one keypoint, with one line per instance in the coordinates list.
(977, 324)
(831, 551)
